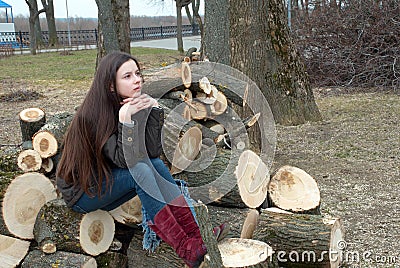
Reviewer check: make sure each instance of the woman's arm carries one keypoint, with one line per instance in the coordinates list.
(120, 147)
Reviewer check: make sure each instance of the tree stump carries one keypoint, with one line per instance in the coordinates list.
(302, 238)
(23, 199)
(12, 251)
(37, 258)
(59, 227)
(292, 189)
(30, 121)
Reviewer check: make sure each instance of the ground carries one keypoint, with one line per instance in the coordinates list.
(353, 154)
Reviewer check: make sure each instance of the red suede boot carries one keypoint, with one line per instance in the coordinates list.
(184, 216)
(190, 249)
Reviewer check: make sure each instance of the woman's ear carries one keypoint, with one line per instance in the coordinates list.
(112, 88)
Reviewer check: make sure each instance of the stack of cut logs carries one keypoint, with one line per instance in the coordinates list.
(206, 143)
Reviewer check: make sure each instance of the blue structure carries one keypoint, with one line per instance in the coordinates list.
(7, 30)
(7, 6)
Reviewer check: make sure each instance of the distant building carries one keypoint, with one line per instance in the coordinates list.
(7, 29)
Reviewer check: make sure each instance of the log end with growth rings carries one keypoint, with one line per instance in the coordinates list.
(96, 232)
(293, 189)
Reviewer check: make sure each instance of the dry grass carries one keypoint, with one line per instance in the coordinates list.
(353, 153)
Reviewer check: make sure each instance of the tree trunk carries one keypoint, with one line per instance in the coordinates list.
(121, 18)
(179, 25)
(259, 44)
(51, 22)
(263, 49)
(32, 30)
(216, 44)
(114, 33)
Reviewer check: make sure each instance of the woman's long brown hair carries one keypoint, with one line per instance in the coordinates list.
(82, 162)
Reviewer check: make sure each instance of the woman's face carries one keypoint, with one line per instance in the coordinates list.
(129, 80)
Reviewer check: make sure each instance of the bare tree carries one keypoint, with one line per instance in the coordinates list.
(259, 44)
(51, 22)
(35, 31)
(113, 27)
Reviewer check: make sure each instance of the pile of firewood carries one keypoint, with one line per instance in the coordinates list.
(208, 141)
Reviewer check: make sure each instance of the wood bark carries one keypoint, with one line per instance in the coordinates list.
(60, 227)
(216, 37)
(23, 199)
(212, 179)
(114, 34)
(36, 258)
(302, 238)
(213, 257)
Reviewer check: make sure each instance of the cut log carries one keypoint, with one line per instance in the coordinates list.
(186, 75)
(242, 252)
(292, 189)
(205, 85)
(36, 258)
(301, 238)
(47, 165)
(29, 160)
(112, 259)
(252, 178)
(96, 232)
(30, 121)
(198, 110)
(12, 251)
(23, 199)
(187, 150)
(213, 181)
(49, 138)
(220, 105)
(250, 224)
(129, 213)
(61, 227)
(45, 143)
(213, 257)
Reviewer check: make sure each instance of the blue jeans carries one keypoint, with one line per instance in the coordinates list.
(150, 180)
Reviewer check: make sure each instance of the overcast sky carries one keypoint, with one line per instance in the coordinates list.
(88, 8)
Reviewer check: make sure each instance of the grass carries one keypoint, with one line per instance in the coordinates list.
(73, 66)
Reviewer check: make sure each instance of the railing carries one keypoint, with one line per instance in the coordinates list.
(89, 37)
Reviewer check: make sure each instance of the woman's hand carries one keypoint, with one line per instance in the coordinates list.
(131, 106)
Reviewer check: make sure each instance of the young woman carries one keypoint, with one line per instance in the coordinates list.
(105, 160)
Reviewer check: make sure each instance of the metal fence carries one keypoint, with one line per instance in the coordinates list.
(89, 37)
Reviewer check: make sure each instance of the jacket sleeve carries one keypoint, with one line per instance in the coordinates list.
(120, 147)
(154, 125)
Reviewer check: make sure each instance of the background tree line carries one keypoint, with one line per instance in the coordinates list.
(329, 43)
(21, 22)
